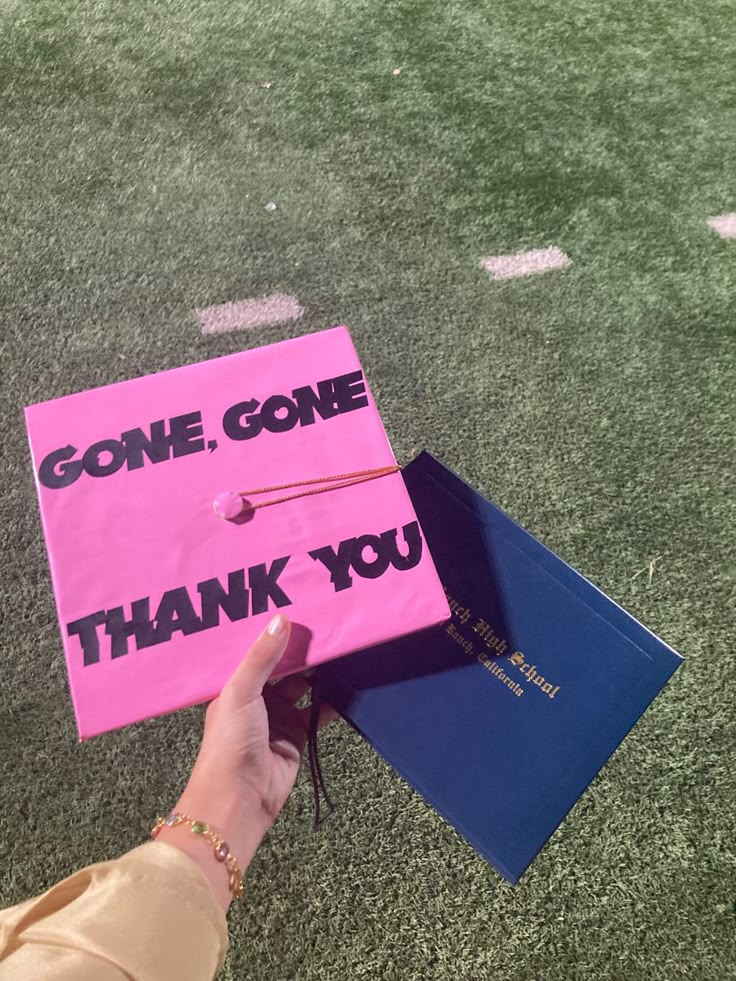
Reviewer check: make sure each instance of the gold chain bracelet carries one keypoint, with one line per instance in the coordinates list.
(220, 846)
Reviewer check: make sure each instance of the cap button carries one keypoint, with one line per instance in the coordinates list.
(228, 505)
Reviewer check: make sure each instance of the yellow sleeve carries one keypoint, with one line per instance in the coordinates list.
(149, 916)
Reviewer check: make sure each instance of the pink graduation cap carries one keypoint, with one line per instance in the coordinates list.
(182, 510)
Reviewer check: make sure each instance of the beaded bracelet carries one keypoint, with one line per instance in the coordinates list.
(221, 847)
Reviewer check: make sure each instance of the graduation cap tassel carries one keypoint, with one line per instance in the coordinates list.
(231, 505)
(315, 767)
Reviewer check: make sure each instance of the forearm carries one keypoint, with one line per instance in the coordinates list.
(147, 914)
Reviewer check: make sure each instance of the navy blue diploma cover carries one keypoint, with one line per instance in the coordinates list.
(501, 717)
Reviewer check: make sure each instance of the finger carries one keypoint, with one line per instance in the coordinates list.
(326, 715)
(246, 684)
(291, 688)
(293, 728)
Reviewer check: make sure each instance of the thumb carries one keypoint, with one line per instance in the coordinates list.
(246, 683)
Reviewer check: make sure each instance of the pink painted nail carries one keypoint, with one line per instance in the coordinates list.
(277, 627)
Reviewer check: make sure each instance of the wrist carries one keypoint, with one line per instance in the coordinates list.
(240, 822)
(200, 852)
(239, 827)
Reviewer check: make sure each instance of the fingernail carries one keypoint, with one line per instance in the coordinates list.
(277, 626)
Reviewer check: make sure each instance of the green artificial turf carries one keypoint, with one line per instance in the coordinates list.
(139, 146)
